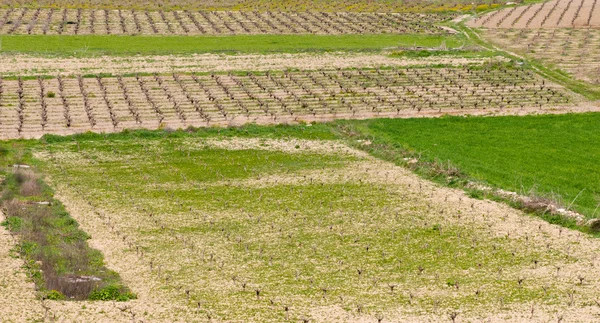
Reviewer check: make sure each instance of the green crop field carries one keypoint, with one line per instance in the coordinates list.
(546, 156)
(94, 45)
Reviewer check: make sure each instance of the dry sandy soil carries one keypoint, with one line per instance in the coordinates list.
(548, 14)
(28, 65)
(576, 51)
(576, 254)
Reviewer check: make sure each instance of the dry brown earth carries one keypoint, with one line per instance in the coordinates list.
(550, 14)
(32, 65)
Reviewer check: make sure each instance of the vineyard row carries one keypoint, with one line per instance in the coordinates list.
(406, 6)
(75, 104)
(132, 22)
(550, 14)
(577, 51)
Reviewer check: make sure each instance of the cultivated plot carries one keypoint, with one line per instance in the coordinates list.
(131, 22)
(576, 51)
(547, 14)
(267, 5)
(36, 65)
(33, 107)
(268, 230)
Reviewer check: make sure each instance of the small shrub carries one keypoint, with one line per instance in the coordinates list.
(476, 194)
(55, 295)
(111, 292)
(15, 208)
(30, 188)
(13, 223)
(594, 225)
(22, 176)
(51, 94)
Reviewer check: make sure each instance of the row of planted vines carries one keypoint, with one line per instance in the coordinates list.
(132, 22)
(576, 51)
(264, 5)
(30, 107)
(549, 14)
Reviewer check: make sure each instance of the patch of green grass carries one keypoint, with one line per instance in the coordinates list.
(314, 131)
(94, 45)
(548, 156)
(197, 163)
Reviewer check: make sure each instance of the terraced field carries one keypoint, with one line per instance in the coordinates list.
(562, 34)
(576, 51)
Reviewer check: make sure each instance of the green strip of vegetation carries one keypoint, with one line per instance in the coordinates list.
(93, 45)
(547, 156)
(56, 255)
(318, 131)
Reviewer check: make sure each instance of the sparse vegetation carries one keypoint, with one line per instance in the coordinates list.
(266, 206)
(56, 255)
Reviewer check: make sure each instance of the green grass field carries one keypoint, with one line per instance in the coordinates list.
(549, 156)
(81, 46)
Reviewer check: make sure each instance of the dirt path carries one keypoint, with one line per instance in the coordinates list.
(17, 295)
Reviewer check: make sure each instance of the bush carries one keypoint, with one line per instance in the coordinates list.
(55, 295)
(13, 223)
(31, 188)
(594, 225)
(51, 94)
(110, 293)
